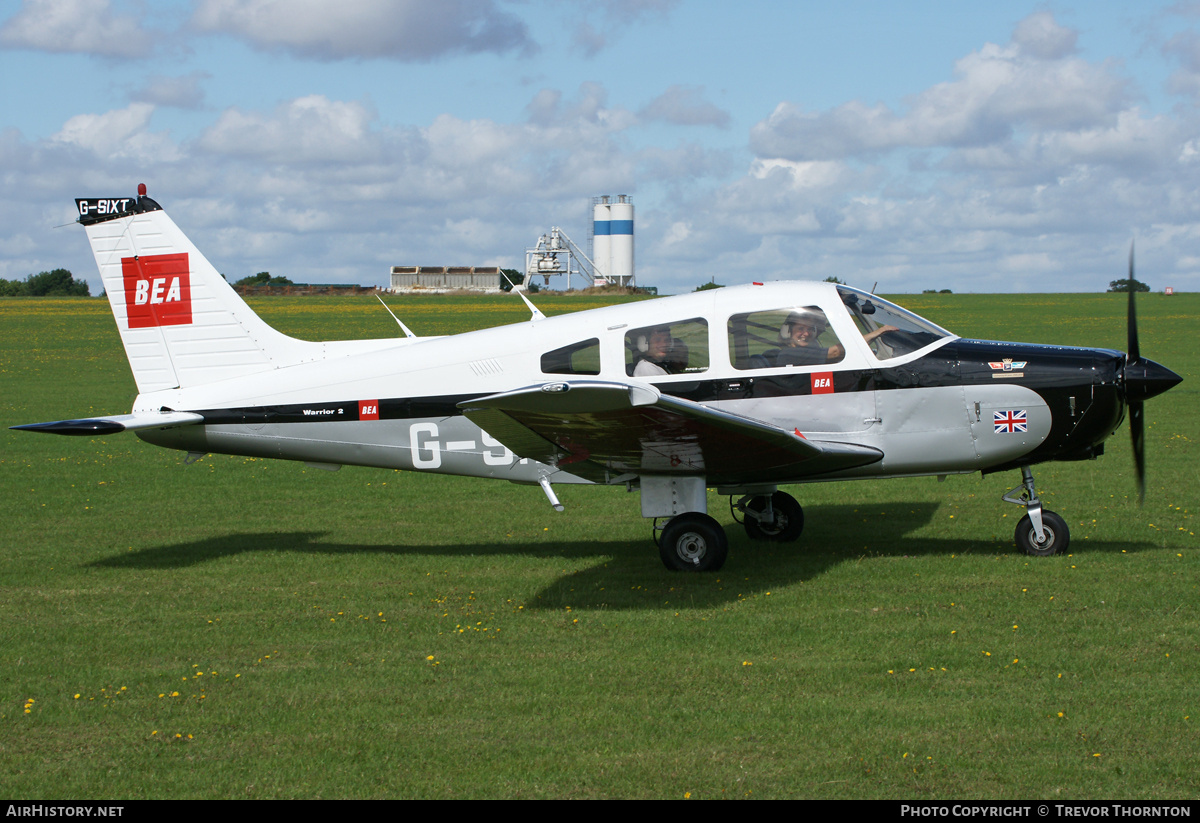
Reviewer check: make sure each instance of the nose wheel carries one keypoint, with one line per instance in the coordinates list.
(1054, 539)
(1039, 533)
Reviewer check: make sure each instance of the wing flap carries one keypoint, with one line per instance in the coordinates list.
(611, 431)
(114, 424)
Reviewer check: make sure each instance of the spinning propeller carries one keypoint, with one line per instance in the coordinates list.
(1143, 379)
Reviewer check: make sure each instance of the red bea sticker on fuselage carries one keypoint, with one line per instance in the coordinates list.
(368, 409)
(822, 382)
(158, 290)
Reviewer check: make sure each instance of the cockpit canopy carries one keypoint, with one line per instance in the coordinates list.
(815, 331)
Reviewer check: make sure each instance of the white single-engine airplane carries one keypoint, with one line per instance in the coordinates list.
(743, 389)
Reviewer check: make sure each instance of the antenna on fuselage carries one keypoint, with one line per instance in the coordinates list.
(406, 329)
(537, 315)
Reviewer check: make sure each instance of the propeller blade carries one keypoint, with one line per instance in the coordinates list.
(1141, 380)
(1134, 350)
(1137, 431)
(1137, 411)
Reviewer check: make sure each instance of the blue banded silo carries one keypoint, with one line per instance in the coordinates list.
(612, 243)
(602, 237)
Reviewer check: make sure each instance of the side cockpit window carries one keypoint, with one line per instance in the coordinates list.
(668, 348)
(795, 336)
(577, 358)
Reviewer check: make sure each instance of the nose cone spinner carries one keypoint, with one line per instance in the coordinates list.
(1145, 379)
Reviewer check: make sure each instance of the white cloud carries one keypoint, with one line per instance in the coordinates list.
(614, 16)
(1032, 83)
(307, 129)
(1039, 35)
(85, 26)
(180, 92)
(590, 105)
(685, 106)
(406, 30)
(1184, 47)
(120, 133)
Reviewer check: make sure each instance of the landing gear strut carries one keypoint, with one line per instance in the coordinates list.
(776, 517)
(1039, 533)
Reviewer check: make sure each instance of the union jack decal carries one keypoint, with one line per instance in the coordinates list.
(1008, 422)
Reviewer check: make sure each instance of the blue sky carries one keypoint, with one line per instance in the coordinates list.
(1010, 146)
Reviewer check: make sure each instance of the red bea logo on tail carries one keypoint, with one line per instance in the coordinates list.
(158, 290)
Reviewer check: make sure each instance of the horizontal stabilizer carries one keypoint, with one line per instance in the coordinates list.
(608, 431)
(115, 424)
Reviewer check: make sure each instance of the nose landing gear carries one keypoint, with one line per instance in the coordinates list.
(1039, 533)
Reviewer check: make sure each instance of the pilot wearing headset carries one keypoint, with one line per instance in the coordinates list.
(655, 350)
(800, 345)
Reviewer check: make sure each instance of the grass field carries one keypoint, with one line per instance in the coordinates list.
(245, 628)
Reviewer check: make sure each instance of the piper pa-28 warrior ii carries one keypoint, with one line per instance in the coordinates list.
(744, 389)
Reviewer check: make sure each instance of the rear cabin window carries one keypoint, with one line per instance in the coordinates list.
(795, 336)
(668, 348)
(577, 358)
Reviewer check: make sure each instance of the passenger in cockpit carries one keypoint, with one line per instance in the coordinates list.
(800, 333)
(654, 350)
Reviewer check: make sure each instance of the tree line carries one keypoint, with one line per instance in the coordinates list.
(57, 283)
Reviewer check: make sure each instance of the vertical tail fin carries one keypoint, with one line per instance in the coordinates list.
(181, 323)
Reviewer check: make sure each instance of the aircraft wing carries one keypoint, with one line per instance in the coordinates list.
(116, 423)
(608, 432)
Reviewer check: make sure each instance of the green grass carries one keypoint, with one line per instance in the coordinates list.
(387, 634)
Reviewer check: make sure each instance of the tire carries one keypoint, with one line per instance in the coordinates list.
(1058, 536)
(693, 542)
(789, 519)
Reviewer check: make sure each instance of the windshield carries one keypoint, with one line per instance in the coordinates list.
(889, 330)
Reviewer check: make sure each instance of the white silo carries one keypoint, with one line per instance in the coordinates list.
(602, 237)
(621, 240)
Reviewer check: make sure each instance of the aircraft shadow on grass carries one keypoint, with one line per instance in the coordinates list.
(630, 576)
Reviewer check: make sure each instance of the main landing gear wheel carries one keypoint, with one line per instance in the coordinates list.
(786, 525)
(693, 542)
(1056, 536)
